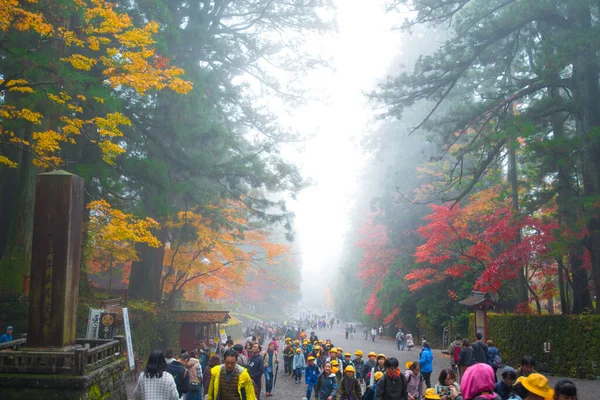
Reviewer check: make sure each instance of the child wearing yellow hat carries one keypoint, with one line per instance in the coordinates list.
(349, 386)
(299, 364)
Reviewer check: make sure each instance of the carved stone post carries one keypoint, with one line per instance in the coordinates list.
(55, 260)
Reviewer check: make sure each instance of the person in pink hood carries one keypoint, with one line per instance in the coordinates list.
(478, 383)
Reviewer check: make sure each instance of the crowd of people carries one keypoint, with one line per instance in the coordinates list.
(329, 373)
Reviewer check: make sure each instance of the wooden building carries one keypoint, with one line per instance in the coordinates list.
(197, 325)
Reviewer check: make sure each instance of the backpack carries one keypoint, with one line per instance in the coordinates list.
(456, 352)
(369, 394)
(497, 363)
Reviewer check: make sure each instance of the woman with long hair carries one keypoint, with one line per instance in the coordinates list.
(155, 383)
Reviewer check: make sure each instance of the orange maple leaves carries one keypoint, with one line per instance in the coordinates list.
(211, 252)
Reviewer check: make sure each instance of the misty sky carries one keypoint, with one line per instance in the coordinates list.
(361, 52)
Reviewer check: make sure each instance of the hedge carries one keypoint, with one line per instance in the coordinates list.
(575, 342)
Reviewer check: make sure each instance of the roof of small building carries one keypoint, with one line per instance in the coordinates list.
(479, 300)
(206, 317)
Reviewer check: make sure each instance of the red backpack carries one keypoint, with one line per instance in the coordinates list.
(456, 352)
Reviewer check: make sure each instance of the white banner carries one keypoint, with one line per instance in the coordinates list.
(223, 336)
(128, 339)
(93, 323)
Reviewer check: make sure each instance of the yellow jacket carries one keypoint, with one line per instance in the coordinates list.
(245, 384)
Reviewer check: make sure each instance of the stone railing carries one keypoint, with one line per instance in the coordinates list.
(13, 344)
(93, 355)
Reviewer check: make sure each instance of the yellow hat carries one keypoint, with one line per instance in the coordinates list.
(519, 380)
(317, 347)
(409, 364)
(298, 351)
(306, 341)
(381, 355)
(340, 349)
(372, 354)
(311, 358)
(334, 363)
(538, 384)
(333, 350)
(347, 355)
(358, 353)
(296, 341)
(431, 394)
(378, 375)
(349, 368)
(320, 341)
(315, 342)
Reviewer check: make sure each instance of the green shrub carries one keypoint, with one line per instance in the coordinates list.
(575, 342)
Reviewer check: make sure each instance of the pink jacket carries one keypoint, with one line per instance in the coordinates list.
(415, 384)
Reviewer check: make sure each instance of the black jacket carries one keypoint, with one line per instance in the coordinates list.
(392, 388)
(256, 367)
(182, 379)
(480, 352)
(466, 357)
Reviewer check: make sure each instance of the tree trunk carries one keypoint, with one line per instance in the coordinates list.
(16, 258)
(522, 295)
(569, 213)
(144, 279)
(564, 301)
(586, 101)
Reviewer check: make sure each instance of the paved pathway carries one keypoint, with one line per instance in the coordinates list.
(286, 389)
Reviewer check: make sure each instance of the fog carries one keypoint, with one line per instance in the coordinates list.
(360, 52)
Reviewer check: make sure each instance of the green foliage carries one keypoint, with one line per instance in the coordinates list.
(571, 336)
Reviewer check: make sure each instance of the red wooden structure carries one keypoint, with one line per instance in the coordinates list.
(196, 325)
(481, 303)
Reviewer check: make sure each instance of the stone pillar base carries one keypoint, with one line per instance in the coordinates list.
(106, 383)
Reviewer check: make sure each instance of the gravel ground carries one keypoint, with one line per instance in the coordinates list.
(286, 389)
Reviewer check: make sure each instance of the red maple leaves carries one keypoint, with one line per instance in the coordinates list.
(377, 258)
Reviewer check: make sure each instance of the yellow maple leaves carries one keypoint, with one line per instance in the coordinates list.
(108, 40)
(112, 235)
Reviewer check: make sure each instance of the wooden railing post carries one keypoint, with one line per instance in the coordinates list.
(122, 342)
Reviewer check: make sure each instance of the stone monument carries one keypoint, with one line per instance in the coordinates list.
(51, 363)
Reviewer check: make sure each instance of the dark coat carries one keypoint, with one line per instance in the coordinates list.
(256, 367)
(466, 357)
(182, 378)
(349, 390)
(389, 388)
(480, 352)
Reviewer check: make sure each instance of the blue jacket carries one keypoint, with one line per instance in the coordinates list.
(326, 386)
(299, 361)
(426, 360)
(492, 353)
(311, 375)
(6, 338)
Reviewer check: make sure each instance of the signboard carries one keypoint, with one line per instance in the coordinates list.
(93, 325)
(547, 347)
(223, 336)
(128, 339)
(107, 325)
(480, 321)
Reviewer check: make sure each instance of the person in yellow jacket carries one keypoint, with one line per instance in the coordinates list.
(230, 381)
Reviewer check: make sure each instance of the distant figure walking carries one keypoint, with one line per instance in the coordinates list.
(409, 341)
(373, 334)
